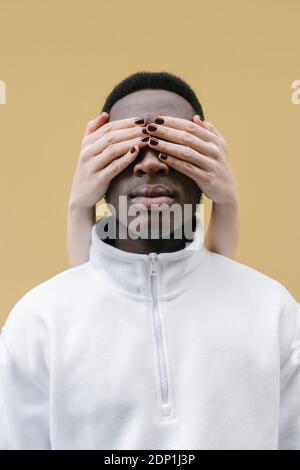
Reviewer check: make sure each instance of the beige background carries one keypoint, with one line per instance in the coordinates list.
(59, 60)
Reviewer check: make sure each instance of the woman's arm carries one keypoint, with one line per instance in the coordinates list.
(222, 235)
(80, 223)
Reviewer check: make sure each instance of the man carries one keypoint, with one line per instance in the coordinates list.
(152, 343)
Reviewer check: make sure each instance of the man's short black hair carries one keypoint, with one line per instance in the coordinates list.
(153, 80)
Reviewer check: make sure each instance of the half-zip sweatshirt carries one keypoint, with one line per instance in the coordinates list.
(178, 350)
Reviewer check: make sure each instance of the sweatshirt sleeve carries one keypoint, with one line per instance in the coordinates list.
(24, 401)
(289, 432)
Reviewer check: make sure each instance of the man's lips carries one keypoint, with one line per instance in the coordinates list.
(153, 194)
(148, 201)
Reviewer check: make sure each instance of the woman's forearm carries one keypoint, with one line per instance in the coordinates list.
(223, 232)
(80, 223)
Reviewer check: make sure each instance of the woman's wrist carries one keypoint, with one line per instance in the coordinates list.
(223, 232)
(231, 202)
(83, 213)
(75, 206)
(232, 205)
(228, 210)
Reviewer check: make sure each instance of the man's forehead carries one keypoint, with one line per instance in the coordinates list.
(151, 103)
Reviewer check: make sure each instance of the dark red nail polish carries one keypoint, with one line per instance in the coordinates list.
(132, 150)
(153, 141)
(151, 128)
(146, 138)
(159, 120)
(144, 130)
(162, 156)
(139, 121)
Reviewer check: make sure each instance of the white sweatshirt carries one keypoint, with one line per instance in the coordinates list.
(181, 350)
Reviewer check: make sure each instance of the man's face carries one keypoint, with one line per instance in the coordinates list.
(147, 169)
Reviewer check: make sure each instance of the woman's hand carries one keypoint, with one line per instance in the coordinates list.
(106, 150)
(199, 151)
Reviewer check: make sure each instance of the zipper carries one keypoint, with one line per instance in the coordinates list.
(166, 408)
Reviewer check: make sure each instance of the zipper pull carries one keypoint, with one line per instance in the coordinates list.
(153, 263)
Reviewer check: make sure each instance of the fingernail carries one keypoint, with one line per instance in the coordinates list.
(144, 130)
(162, 156)
(151, 128)
(139, 121)
(146, 138)
(153, 141)
(159, 120)
(132, 150)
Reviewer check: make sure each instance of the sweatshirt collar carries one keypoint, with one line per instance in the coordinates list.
(130, 273)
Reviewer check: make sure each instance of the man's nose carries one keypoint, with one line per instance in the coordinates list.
(149, 164)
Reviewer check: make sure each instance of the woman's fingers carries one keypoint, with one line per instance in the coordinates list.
(114, 152)
(112, 126)
(204, 131)
(185, 138)
(114, 137)
(183, 152)
(119, 164)
(206, 125)
(200, 176)
(213, 129)
(185, 125)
